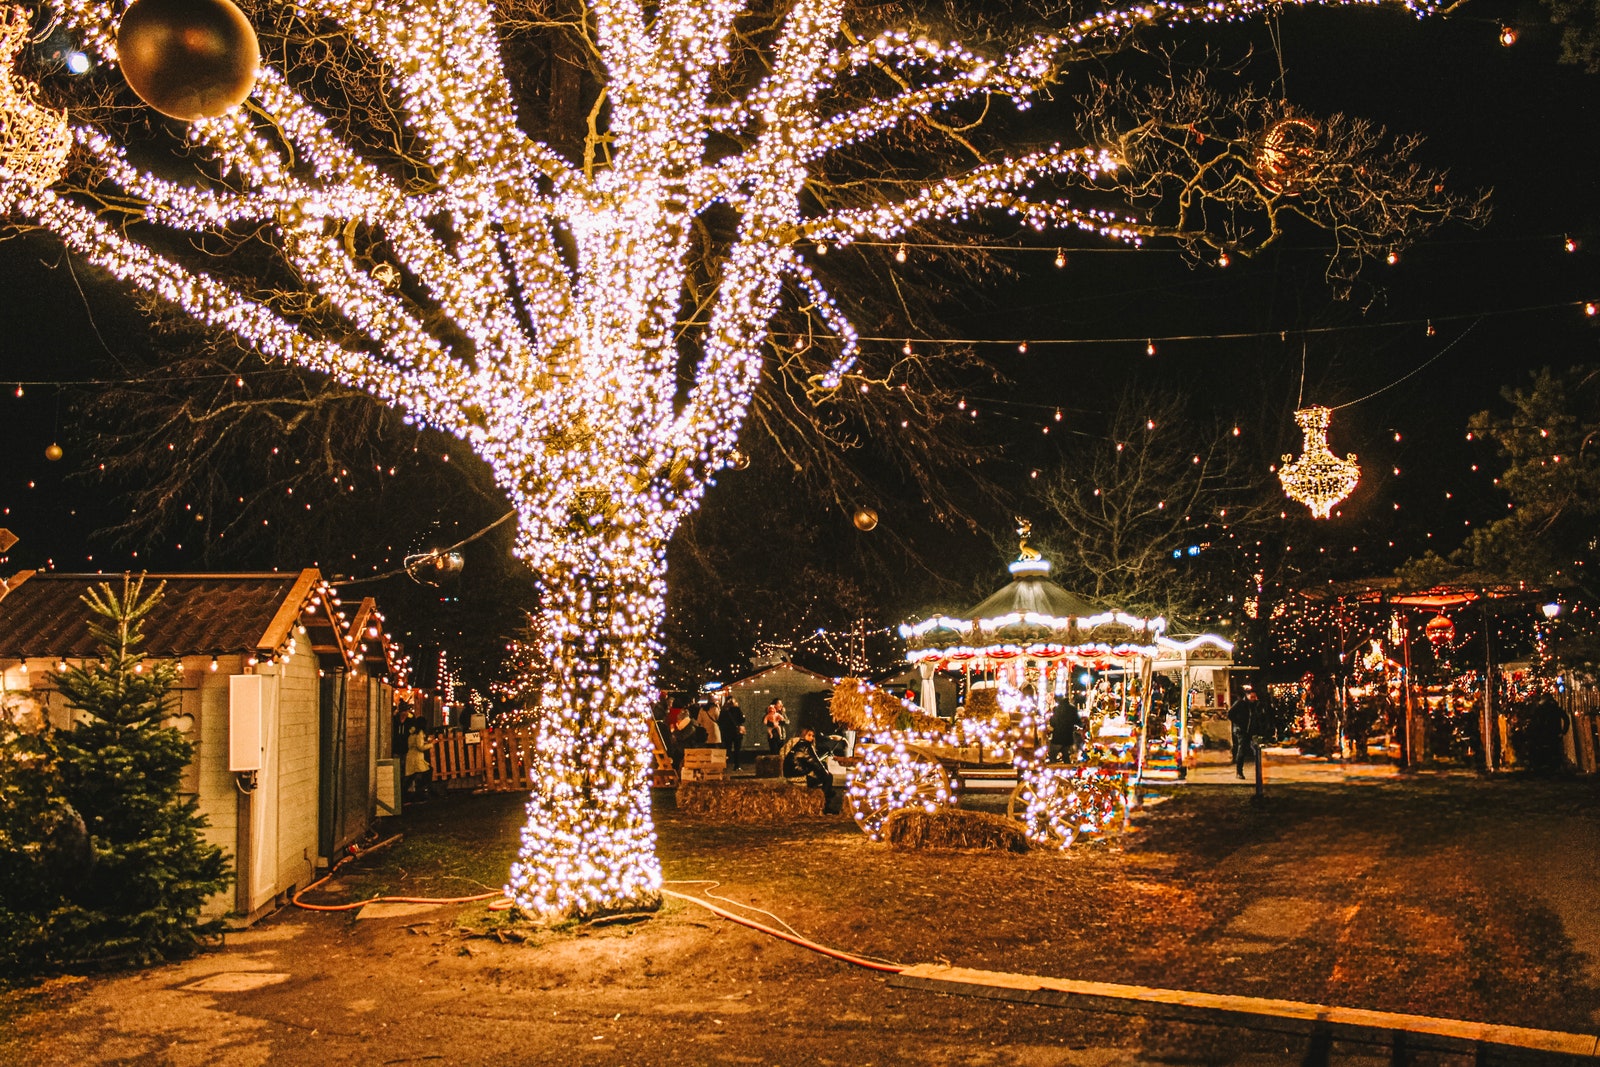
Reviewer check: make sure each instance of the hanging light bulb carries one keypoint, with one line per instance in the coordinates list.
(1061, 258)
(900, 254)
(1318, 479)
(1149, 348)
(1508, 36)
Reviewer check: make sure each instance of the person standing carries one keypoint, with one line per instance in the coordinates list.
(707, 719)
(1248, 721)
(731, 723)
(418, 775)
(1063, 732)
(777, 724)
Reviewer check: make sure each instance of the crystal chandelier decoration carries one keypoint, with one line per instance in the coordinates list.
(1318, 479)
(34, 141)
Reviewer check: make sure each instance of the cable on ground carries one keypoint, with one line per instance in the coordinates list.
(297, 902)
(793, 939)
(502, 904)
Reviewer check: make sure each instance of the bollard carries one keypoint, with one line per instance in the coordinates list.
(1261, 787)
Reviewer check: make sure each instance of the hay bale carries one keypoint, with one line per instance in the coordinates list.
(983, 704)
(866, 709)
(749, 800)
(851, 704)
(954, 828)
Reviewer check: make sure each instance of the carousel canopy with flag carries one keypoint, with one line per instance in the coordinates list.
(1032, 618)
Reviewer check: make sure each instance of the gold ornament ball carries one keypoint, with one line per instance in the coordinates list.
(53, 452)
(865, 519)
(739, 461)
(188, 59)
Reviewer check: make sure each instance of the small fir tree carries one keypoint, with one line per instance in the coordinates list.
(43, 841)
(147, 871)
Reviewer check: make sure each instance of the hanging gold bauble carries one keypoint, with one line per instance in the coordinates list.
(738, 460)
(865, 519)
(188, 59)
(53, 452)
(1288, 155)
(1318, 479)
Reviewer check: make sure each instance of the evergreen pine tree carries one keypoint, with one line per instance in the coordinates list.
(43, 842)
(147, 871)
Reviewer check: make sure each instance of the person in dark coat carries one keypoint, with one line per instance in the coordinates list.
(1547, 728)
(1249, 720)
(730, 721)
(1063, 732)
(801, 761)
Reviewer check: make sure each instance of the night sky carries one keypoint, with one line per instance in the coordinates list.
(1502, 301)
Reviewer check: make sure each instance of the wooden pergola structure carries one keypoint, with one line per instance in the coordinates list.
(1463, 591)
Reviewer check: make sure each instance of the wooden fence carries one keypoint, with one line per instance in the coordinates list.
(1584, 705)
(494, 758)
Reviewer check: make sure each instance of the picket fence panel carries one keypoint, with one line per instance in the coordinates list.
(498, 757)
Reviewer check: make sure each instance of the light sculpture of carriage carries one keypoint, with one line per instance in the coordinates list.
(1021, 651)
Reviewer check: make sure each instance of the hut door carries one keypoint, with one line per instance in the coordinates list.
(331, 746)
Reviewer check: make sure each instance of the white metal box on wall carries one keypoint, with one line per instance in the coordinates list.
(244, 722)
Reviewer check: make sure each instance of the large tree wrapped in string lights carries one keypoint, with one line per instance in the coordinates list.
(593, 316)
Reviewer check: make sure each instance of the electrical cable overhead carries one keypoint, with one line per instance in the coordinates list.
(408, 567)
(1413, 371)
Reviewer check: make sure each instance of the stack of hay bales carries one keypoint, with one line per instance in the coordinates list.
(914, 828)
(749, 800)
(861, 706)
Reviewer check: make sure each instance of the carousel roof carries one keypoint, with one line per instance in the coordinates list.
(1032, 616)
(1030, 592)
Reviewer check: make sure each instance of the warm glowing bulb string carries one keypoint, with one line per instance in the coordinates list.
(1011, 342)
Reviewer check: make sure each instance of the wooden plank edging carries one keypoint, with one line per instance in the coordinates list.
(1355, 1024)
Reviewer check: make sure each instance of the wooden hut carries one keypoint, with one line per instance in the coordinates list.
(286, 694)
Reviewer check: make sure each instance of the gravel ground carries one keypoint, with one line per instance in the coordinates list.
(1449, 896)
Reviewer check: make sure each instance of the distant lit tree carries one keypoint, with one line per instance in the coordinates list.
(1548, 437)
(1149, 515)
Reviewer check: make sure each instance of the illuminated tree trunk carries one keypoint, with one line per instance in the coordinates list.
(589, 842)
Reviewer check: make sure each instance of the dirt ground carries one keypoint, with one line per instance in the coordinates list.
(1449, 896)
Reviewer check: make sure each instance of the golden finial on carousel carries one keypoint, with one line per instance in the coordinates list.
(1025, 531)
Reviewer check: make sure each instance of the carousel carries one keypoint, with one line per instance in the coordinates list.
(1022, 653)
